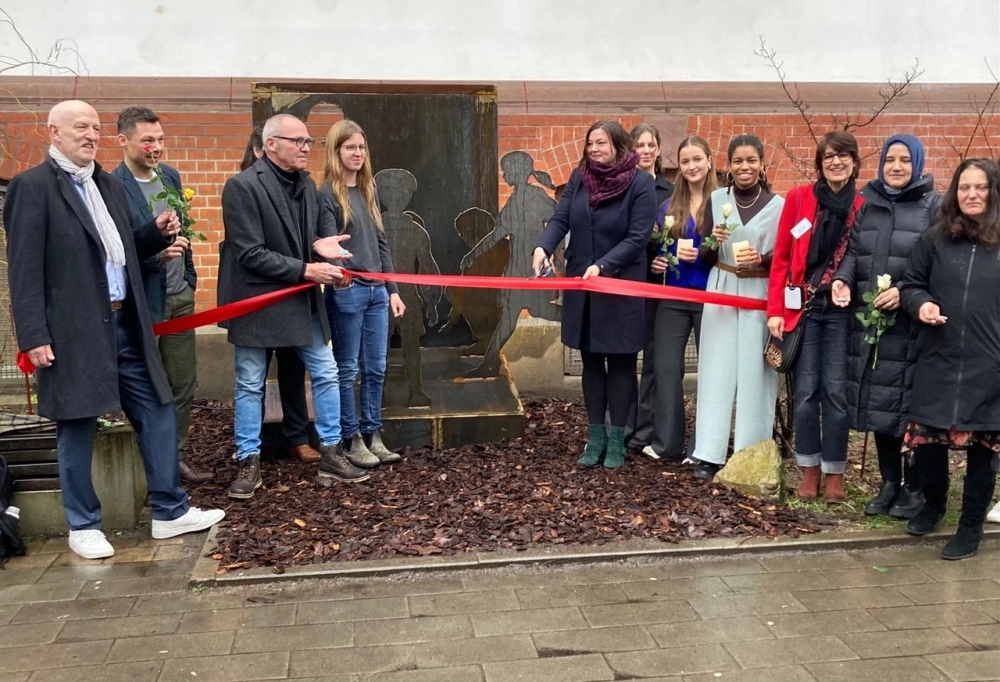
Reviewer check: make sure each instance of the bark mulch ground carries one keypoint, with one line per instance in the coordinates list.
(517, 493)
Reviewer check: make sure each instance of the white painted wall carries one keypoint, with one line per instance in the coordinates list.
(497, 40)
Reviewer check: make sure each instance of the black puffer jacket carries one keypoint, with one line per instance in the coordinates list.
(885, 234)
(957, 378)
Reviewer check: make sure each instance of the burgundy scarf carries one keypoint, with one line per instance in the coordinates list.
(604, 183)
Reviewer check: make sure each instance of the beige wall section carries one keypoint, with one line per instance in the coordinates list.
(493, 40)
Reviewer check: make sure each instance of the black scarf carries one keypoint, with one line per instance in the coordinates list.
(831, 221)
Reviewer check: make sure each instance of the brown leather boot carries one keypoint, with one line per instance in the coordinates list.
(304, 453)
(833, 488)
(191, 475)
(335, 466)
(809, 487)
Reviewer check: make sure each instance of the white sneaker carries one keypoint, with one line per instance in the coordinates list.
(650, 452)
(90, 544)
(994, 515)
(193, 521)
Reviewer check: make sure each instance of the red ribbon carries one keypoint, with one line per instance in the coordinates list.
(598, 285)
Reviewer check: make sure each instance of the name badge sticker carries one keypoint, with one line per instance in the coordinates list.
(801, 228)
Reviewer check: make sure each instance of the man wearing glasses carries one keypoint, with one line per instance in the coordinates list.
(275, 239)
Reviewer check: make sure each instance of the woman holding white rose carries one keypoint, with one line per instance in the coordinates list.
(899, 206)
(731, 367)
(677, 262)
(813, 236)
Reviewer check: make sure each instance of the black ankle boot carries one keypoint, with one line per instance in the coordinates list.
(910, 500)
(882, 503)
(706, 471)
(962, 544)
(926, 519)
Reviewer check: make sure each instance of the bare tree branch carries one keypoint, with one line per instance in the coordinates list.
(803, 166)
(63, 47)
(896, 91)
(770, 56)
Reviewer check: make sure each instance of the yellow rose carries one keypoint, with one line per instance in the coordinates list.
(188, 194)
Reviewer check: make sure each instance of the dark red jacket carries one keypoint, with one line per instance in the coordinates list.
(790, 254)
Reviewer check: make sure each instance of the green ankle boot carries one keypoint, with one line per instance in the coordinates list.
(615, 459)
(597, 441)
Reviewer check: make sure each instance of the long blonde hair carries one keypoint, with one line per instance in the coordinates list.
(333, 172)
(680, 203)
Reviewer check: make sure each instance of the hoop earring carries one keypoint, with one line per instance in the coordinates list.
(730, 180)
(762, 177)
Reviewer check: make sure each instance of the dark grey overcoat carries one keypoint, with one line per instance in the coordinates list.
(266, 250)
(59, 289)
(612, 236)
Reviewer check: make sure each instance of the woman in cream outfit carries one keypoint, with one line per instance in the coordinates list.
(731, 367)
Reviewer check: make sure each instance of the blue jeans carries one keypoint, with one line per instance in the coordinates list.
(251, 370)
(359, 323)
(820, 388)
(155, 431)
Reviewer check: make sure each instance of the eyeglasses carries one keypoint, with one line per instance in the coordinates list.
(352, 148)
(300, 142)
(843, 156)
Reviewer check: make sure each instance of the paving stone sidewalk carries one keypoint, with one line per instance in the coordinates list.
(892, 615)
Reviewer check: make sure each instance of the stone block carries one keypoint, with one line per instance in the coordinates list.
(216, 374)
(756, 471)
(534, 355)
(119, 481)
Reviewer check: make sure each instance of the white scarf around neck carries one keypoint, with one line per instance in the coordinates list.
(112, 241)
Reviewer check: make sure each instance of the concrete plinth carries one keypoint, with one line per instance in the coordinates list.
(119, 481)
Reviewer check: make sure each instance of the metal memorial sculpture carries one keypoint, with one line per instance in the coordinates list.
(410, 245)
(520, 222)
(479, 307)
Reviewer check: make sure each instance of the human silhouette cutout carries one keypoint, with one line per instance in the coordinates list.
(479, 307)
(410, 245)
(521, 221)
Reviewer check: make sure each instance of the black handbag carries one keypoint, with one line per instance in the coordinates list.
(781, 353)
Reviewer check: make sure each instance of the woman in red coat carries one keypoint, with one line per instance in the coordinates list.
(812, 240)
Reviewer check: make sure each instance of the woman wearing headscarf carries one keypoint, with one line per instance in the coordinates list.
(952, 286)
(608, 210)
(899, 206)
(813, 236)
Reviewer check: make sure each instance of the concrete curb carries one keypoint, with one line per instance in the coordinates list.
(204, 573)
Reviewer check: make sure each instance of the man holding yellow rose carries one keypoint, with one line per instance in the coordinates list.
(169, 278)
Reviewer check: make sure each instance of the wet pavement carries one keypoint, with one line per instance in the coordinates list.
(886, 615)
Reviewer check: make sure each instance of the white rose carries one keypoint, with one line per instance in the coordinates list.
(884, 282)
(727, 210)
(668, 222)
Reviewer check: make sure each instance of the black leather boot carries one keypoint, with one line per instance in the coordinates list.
(910, 500)
(932, 463)
(882, 503)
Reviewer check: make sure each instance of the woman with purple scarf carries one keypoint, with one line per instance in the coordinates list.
(608, 210)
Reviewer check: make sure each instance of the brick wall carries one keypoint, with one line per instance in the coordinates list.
(206, 147)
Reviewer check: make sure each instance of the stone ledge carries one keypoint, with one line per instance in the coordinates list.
(204, 573)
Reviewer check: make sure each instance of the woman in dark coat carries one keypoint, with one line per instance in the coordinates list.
(952, 286)
(899, 206)
(608, 209)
